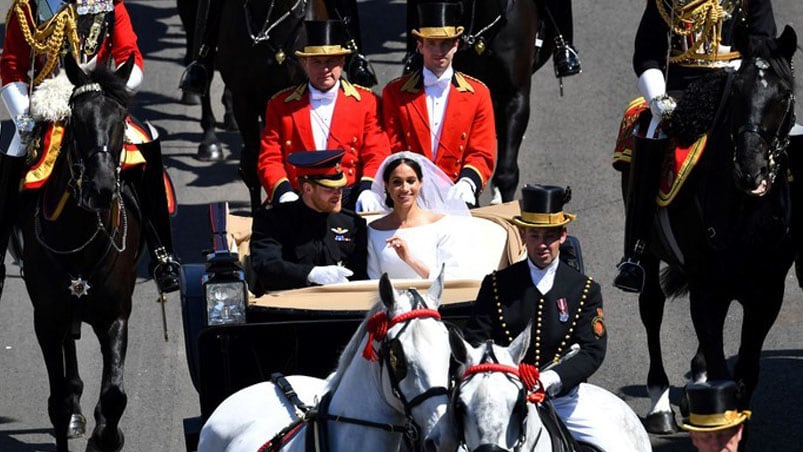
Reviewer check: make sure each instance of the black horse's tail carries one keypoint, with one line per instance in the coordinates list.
(674, 281)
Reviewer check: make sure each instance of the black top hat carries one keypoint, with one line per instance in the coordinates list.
(438, 20)
(713, 407)
(321, 167)
(324, 38)
(542, 206)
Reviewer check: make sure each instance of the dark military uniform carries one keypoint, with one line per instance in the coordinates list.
(508, 300)
(289, 239)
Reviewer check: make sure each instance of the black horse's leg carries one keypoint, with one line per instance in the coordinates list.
(210, 148)
(77, 426)
(229, 122)
(50, 335)
(760, 312)
(660, 418)
(187, 12)
(248, 114)
(510, 127)
(708, 312)
(113, 339)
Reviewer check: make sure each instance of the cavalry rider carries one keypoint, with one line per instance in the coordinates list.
(197, 75)
(38, 32)
(325, 112)
(701, 35)
(564, 308)
(440, 113)
(310, 240)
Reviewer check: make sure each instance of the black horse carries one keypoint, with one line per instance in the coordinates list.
(210, 148)
(726, 236)
(82, 243)
(498, 48)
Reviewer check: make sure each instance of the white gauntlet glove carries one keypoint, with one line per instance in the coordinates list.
(652, 86)
(290, 196)
(464, 189)
(369, 201)
(15, 97)
(551, 382)
(329, 274)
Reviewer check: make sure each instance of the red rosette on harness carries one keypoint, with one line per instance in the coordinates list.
(531, 378)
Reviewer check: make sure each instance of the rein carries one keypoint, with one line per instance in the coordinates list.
(267, 26)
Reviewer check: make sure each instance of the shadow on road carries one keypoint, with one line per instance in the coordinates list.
(8, 443)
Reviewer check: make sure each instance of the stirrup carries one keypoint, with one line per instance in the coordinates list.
(195, 79)
(565, 59)
(166, 272)
(631, 276)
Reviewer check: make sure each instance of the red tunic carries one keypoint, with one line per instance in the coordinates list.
(16, 60)
(467, 145)
(355, 128)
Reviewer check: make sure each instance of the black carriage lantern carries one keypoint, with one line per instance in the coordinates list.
(225, 289)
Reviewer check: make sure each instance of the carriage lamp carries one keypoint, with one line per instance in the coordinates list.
(225, 302)
(225, 289)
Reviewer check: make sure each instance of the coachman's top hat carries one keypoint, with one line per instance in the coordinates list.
(324, 38)
(713, 407)
(320, 167)
(438, 21)
(542, 206)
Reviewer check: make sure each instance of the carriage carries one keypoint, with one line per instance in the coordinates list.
(235, 339)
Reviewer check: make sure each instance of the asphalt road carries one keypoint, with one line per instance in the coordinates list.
(569, 142)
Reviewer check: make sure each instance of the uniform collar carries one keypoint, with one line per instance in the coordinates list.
(543, 278)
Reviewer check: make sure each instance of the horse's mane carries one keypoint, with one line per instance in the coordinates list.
(351, 349)
(113, 86)
(696, 109)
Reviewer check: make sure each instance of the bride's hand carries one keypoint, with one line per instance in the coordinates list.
(400, 246)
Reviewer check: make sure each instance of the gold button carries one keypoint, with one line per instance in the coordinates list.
(408, 134)
(461, 148)
(463, 136)
(353, 139)
(351, 171)
(288, 143)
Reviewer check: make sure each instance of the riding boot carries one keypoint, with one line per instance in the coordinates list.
(151, 192)
(795, 154)
(10, 173)
(564, 57)
(197, 75)
(359, 69)
(644, 179)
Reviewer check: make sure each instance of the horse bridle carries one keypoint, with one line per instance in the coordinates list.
(490, 364)
(778, 141)
(391, 355)
(76, 166)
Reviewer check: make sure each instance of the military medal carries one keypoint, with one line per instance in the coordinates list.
(340, 234)
(563, 310)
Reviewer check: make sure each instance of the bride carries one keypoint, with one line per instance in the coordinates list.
(418, 235)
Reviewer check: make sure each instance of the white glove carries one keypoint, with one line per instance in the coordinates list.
(464, 189)
(15, 97)
(551, 382)
(652, 86)
(369, 201)
(329, 274)
(290, 196)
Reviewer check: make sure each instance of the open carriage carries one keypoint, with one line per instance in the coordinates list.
(235, 339)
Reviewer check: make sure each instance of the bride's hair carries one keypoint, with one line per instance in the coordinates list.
(391, 166)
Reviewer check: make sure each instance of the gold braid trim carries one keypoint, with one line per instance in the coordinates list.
(698, 17)
(48, 38)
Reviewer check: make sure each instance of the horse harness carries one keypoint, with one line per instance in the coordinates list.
(263, 36)
(79, 285)
(478, 40)
(391, 355)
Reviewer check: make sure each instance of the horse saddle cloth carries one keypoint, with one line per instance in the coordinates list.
(678, 164)
(44, 149)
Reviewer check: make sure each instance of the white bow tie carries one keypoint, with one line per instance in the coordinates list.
(440, 83)
(319, 95)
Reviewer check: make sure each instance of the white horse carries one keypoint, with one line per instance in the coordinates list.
(492, 407)
(389, 388)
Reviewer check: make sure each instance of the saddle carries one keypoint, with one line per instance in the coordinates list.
(562, 439)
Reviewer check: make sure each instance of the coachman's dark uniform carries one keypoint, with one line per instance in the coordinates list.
(290, 239)
(508, 300)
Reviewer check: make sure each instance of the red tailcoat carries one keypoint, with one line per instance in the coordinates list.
(16, 60)
(355, 128)
(467, 145)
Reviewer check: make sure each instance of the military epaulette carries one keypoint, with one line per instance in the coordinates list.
(462, 84)
(298, 92)
(350, 89)
(413, 83)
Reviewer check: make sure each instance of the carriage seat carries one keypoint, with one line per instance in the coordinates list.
(488, 241)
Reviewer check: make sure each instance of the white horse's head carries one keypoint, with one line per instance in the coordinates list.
(488, 406)
(411, 345)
